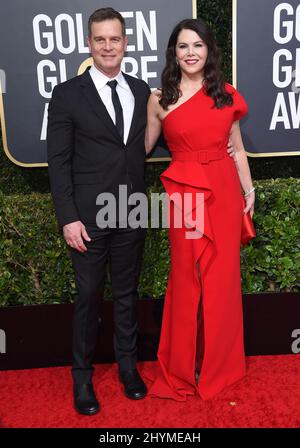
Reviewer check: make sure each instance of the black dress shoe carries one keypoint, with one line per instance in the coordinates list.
(85, 401)
(134, 386)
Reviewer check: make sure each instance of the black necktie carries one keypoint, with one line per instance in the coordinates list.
(117, 106)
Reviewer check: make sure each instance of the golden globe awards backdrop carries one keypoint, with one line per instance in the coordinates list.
(266, 69)
(44, 43)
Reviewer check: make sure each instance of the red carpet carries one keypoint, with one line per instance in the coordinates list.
(268, 397)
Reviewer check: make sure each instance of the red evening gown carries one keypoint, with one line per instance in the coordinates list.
(205, 272)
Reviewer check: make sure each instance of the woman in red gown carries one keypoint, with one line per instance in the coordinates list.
(201, 347)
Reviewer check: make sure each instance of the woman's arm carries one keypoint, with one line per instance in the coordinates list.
(243, 169)
(153, 128)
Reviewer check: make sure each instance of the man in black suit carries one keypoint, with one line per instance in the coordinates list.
(96, 125)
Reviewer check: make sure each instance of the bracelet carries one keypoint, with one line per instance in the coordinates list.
(250, 191)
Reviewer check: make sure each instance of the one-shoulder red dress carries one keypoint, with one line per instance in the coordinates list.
(205, 271)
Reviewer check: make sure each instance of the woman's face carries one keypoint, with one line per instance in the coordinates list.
(191, 52)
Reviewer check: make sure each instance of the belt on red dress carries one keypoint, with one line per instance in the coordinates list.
(198, 156)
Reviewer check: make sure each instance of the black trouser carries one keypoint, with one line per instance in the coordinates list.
(124, 248)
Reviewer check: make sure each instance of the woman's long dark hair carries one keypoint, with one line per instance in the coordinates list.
(214, 81)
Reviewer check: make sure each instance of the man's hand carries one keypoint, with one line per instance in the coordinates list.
(74, 234)
(231, 151)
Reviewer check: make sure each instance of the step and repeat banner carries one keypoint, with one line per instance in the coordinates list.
(266, 70)
(43, 43)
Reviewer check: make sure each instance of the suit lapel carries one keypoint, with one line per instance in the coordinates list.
(133, 87)
(97, 105)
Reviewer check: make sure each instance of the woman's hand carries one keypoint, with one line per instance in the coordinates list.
(250, 200)
(242, 166)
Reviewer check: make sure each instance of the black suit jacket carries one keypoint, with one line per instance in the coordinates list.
(86, 155)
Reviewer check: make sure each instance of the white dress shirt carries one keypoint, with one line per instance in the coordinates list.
(125, 95)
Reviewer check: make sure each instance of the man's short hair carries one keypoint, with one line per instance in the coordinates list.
(106, 14)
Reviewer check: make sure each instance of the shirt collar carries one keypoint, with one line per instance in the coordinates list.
(101, 80)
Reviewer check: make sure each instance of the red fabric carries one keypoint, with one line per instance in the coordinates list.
(268, 396)
(193, 128)
(248, 230)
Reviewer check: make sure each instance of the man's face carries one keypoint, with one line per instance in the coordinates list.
(107, 46)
